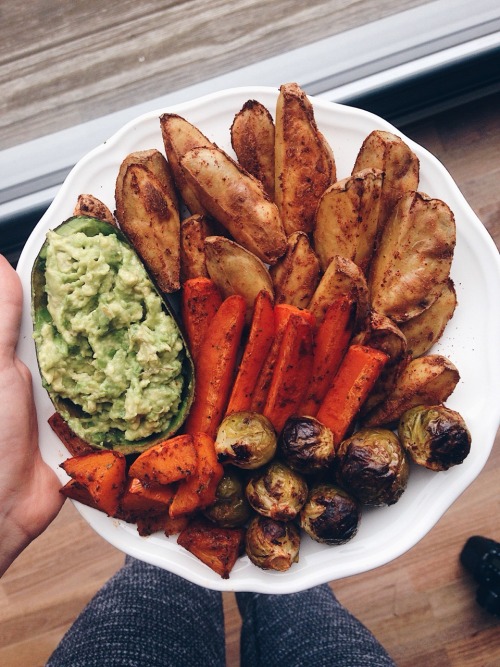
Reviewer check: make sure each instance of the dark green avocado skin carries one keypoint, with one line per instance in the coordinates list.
(68, 410)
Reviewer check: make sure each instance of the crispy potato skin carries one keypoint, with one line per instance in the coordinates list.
(304, 164)
(235, 270)
(401, 167)
(180, 136)
(252, 139)
(296, 275)
(150, 219)
(90, 206)
(412, 262)
(194, 231)
(427, 380)
(236, 200)
(342, 277)
(424, 330)
(346, 219)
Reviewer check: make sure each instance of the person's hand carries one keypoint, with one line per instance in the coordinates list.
(29, 489)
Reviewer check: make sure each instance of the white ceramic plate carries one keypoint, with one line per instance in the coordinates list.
(470, 341)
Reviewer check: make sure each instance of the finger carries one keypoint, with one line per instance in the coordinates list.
(11, 299)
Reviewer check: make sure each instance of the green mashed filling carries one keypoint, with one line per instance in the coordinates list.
(109, 347)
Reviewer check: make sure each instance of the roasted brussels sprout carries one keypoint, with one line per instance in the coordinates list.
(373, 465)
(277, 492)
(246, 439)
(330, 515)
(272, 545)
(231, 508)
(307, 445)
(434, 436)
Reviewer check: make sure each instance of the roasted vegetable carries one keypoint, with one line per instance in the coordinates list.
(427, 380)
(304, 163)
(296, 275)
(277, 492)
(74, 444)
(374, 467)
(399, 164)
(166, 462)
(245, 439)
(91, 207)
(411, 264)
(217, 547)
(347, 218)
(434, 436)
(236, 200)
(272, 545)
(194, 231)
(148, 213)
(141, 500)
(252, 138)
(200, 301)
(96, 343)
(307, 445)
(231, 507)
(330, 515)
(235, 270)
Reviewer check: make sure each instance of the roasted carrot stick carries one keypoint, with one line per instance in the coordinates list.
(292, 372)
(215, 367)
(200, 301)
(282, 313)
(198, 490)
(259, 342)
(331, 341)
(353, 382)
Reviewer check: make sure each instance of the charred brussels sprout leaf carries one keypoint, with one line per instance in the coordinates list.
(277, 492)
(246, 439)
(272, 545)
(330, 515)
(434, 436)
(307, 445)
(372, 464)
(231, 508)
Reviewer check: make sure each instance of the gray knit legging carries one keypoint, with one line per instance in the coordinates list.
(147, 617)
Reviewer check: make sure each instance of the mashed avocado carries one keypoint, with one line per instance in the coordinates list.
(108, 346)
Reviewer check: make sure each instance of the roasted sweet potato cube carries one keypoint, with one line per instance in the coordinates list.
(217, 547)
(167, 462)
(198, 490)
(75, 445)
(140, 499)
(102, 473)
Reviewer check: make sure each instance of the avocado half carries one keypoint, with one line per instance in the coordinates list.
(68, 410)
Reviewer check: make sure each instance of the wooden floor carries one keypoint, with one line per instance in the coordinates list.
(421, 606)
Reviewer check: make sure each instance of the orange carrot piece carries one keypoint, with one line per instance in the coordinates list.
(200, 300)
(259, 342)
(216, 366)
(102, 474)
(198, 490)
(142, 500)
(331, 341)
(166, 462)
(353, 382)
(292, 372)
(282, 313)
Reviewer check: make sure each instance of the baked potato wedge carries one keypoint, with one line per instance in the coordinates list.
(401, 167)
(180, 136)
(422, 331)
(194, 231)
(149, 217)
(412, 262)
(347, 216)
(237, 200)
(342, 277)
(304, 162)
(252, 139)
(235, 270)
(428, 380)
(296, 275)
(93, 208)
